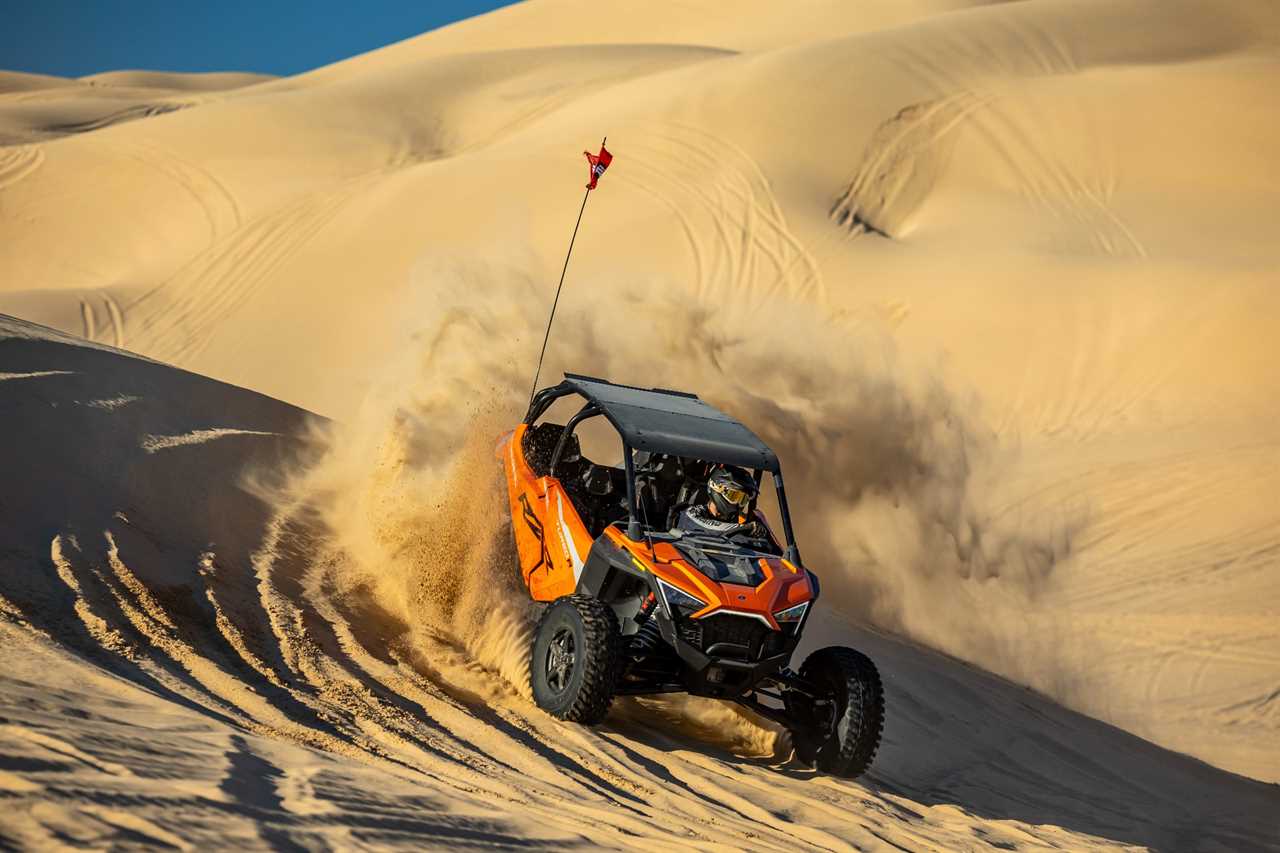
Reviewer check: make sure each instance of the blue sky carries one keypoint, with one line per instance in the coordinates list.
(71, 38)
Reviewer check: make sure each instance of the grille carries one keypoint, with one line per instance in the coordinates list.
(746, 631)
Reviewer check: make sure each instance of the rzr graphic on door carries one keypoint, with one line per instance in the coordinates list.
(535, 527)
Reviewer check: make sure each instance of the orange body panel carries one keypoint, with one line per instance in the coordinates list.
(551, 540)
(553, 544)
(784, 584)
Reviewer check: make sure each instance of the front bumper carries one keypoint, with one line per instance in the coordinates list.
(723, 676)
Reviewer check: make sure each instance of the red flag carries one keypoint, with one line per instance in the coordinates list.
(599, 162)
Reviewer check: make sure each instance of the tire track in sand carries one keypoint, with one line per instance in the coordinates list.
(256, 707)
(633, 783)
(216, 201)
(1056, 187)
(753, 252)
(379, 729)
(479, 742)
(178, 319)
(133, 113)
(903, 159)
(18, 162)
(89, 318)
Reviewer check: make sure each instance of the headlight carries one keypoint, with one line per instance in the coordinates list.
(792, 614)
(678, 601)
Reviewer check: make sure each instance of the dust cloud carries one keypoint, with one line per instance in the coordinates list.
(892, 477)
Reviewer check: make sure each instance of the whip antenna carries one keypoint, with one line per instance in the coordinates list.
(598, 163)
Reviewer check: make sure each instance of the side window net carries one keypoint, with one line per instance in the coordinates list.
(538, 445)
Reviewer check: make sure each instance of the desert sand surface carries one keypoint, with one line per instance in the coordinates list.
(999, 282)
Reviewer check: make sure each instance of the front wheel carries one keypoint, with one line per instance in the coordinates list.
(838, 730)
(577, 652)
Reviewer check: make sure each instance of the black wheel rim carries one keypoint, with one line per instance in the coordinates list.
(561, 657)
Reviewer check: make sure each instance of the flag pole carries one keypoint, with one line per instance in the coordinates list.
(552, 316)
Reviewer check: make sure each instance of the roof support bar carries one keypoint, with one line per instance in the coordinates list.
(587, 411)
(543, 400)
(793, 552)
(633, 523)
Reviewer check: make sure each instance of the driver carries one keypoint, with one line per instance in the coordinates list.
(731, 491)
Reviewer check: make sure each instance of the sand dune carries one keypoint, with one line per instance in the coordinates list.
(189, 666)
(35, 107)
(215, 81)
(997, 281)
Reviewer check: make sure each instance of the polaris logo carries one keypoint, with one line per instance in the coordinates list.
(535, 527)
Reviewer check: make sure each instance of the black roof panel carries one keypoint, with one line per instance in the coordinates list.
(674, 422)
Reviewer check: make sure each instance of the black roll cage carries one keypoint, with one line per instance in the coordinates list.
(542, 401)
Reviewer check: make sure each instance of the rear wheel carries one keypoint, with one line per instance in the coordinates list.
(577, 653)
(838, 730)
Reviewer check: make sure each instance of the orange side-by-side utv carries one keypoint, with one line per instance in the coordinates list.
(637, 605)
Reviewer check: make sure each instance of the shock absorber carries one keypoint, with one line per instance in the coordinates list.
(645, 640)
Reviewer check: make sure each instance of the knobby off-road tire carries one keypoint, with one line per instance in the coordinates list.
(587, 629)
(854, 685)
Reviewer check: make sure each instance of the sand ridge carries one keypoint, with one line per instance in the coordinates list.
(997, 280)
(346, 662)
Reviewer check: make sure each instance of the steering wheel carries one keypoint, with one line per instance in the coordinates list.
(747, 527)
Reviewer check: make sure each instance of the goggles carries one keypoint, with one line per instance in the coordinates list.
(734, 495)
